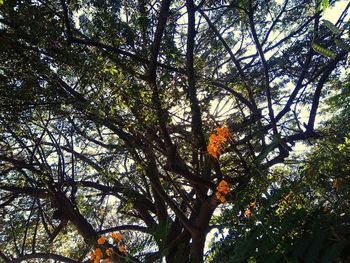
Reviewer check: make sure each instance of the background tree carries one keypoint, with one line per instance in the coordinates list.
(107, 108)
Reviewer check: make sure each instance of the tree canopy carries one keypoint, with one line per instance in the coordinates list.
(130, 129)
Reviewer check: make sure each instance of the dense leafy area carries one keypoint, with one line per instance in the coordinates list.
(142, 118)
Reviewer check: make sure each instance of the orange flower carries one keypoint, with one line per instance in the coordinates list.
(92, 255)
(109, 251)
(223, 132)
(101, 240)
(212, 151)
(216, 141)
(117, 236)
(220, 197)
(122, 249)
(98, 253)
(223, 187)
(107, 260)
(247, 213)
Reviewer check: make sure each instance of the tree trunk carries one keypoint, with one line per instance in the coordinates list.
(178, 246)
(202, 226)
(180, 254)
(197, 246)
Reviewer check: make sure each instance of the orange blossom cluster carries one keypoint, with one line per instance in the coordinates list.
(248, 212)
(217, 141)
(222, 191)
(97, 254)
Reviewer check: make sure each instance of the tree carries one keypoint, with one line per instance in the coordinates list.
(109, 111)
(300, 211)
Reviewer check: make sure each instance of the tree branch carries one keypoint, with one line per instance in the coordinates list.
(162, 115)
(124, 227)
(238, 95)
(115, 50)
(233, 58)
(31, 191)
(192, 91)
(266, 70)
(297, 88)
(43, 255)
(315, 101)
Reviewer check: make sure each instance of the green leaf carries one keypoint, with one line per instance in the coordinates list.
(340, 43)
(322, 5)
(323, 51)
(331, 26)
(325, 4)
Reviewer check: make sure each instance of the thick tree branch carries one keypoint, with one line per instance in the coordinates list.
(162, 115)
(30, 191)
(152, 172)
(124, 227)
(8, 201)
(298, 86)
(192, 91)
(153, 175)
(70, 212)
(315, 101)
(266, 70)
(20, 164)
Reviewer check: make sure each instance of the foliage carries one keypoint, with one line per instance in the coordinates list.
(300, 214)
(144, 117)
